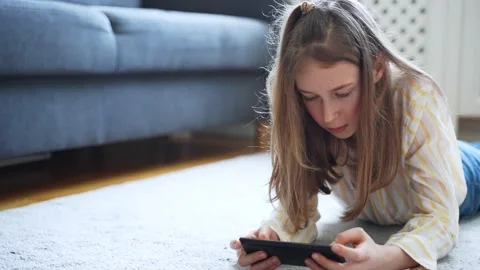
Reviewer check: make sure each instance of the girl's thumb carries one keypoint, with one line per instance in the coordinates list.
(266, 233)
(234, 244)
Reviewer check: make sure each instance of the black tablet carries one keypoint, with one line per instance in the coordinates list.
(289, 252)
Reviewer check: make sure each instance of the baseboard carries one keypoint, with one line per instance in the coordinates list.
(24, 159)
(181, 136)
(469, 129)
(238, 131)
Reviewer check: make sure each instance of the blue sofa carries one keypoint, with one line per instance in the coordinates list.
(82, 73)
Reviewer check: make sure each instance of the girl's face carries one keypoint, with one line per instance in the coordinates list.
(331, 95)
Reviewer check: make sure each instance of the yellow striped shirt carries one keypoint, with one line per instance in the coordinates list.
(425, 198)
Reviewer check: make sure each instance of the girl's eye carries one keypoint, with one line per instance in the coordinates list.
(309, 98)
(343, 95)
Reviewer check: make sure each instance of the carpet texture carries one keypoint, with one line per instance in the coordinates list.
(180, 220)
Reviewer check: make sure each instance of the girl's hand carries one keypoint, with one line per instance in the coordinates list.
(365, 254)
(257, 260)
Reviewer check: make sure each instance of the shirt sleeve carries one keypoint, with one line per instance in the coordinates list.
(282, 225)
(432, 231)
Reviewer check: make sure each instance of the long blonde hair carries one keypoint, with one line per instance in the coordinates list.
(303, 160)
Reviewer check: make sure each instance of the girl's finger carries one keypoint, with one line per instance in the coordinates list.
(271, 263)
(266, 233)
(246, 260)
(326, 263)
(313, 265)
(235, 244)
(273, 235)
(350, 254)
(353, 236)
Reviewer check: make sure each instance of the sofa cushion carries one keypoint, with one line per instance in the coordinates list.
(49, 37)
(119, 3)
(158, 40)
(257, 9)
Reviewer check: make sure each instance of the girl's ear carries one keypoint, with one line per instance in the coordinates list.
(379, 67)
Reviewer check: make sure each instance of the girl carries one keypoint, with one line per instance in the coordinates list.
(353, 117)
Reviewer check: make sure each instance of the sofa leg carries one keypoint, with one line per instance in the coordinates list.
(181, 136)
(24, 159)
(262, 134)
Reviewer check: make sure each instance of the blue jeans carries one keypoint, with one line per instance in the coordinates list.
(470, 153)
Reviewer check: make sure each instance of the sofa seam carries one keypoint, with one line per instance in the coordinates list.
(116, 65)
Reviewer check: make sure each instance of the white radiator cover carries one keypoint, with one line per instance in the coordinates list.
(440, 36)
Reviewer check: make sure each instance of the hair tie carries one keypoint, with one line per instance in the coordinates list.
(306, 6)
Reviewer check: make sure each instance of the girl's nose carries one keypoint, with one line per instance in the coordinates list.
(329, 114)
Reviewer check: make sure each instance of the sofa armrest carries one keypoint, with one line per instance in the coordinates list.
(257, 9)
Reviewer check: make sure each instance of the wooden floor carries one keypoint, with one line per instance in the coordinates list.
(77, 171)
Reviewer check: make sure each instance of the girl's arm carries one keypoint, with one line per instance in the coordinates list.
(434, 169)
(281, 224)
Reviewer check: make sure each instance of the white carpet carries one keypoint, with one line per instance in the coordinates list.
(181, 220)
